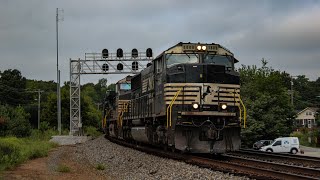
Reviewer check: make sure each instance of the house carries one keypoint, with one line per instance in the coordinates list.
(307, 117)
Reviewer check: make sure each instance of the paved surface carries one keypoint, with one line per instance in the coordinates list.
(69, 140)
(309, 151)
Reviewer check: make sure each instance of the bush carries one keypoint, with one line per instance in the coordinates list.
(100, 167)
(302, 136)
(18, 125)
(92, 131)
(39, 135)
(14, 151)
(63, 168)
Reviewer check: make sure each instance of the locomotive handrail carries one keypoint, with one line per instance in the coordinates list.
(104, 122)
(244, 112)
(169, 108)
(240, 110)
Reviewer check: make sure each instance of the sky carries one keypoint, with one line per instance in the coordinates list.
(285, 33)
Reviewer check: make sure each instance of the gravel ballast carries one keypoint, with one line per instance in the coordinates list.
(125, 163)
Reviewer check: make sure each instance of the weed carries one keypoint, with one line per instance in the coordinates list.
(63, 168)
(100, 167)
(92, 131)
(14, 151)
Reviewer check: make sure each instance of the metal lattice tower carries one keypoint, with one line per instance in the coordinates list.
(96, 63)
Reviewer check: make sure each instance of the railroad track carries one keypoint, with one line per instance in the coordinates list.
(239, 166)
(305, 161)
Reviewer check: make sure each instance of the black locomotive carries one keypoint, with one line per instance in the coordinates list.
(188, 99)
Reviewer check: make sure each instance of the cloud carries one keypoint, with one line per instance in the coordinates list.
(284, 32)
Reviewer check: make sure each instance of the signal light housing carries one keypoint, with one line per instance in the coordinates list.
(149, 52)
(119, 53)
(105, 67)
(105, 53)
(135, 65)
(134, 53)
(120, 66)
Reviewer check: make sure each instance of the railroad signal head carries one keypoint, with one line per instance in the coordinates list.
(134, 53)
(105, 53)
(135, 66)
(149, 52)
(105, 67)
(119, 53)
(120, 66)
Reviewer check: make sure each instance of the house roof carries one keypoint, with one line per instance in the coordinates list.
(313, 109)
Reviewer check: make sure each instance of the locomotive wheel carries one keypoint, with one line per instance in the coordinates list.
(173, 149)
(165, 147)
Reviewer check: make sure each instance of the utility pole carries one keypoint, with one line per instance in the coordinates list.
(58, 73)
(291, 91)
(39, 102)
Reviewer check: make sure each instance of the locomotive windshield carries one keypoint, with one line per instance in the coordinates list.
(219, 60)
(173, 59)
(125, 86)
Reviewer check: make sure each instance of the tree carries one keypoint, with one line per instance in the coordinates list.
(18, 122)
(12, 87)
(265, 94)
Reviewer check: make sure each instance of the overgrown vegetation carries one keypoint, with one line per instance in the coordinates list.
(63, 168)
(100, 167)
(14, 151)
(306, 137)
(92, 131)
(19, 141)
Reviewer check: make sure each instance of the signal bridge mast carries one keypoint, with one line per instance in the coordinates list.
(101, 63)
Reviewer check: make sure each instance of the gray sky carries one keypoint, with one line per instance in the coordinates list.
(286, 33)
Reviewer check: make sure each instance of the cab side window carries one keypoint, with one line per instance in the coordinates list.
(278, 143)
(160, 65)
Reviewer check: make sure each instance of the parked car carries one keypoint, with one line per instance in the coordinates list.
(283, 144)
(257, 145)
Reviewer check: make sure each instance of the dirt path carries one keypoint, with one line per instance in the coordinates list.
(47, 167)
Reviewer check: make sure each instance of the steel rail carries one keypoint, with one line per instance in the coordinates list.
(235, 167)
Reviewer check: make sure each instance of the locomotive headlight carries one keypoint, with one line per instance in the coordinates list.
(199, 48)
(204, 48)
(195, 106)
(224, 106)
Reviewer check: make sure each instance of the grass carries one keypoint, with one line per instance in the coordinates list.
(92, 131)
(63, 168)
(100, 167)
(14, 151)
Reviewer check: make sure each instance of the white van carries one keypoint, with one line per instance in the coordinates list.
(283, 144)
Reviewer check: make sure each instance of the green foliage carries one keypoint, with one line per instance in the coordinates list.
(92, 131)
(305, 92)
(63, 168)
(14, 151)
(42, 135)
(91, 115)
(304, 134)
(269, 113)
(49, 112)
(100, 167)
(16, 121)
(12, 86)
(18, 125)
